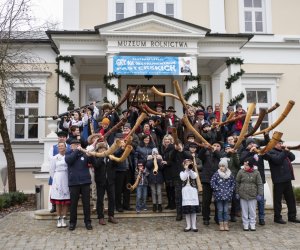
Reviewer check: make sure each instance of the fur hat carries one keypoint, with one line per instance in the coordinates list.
(224, 162)
(101, 145)
(106, 105)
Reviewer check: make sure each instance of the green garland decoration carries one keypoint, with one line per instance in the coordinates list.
(193, 90)
(65, 59)
(236, 99)
(68, 78)
(191, 77)
(234, 60)
(64, 98)
(233, 78)
(197, 104)
(111, 87)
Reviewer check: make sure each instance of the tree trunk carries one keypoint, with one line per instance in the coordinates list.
(11, 165)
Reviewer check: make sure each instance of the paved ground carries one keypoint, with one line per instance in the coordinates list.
(21, 231)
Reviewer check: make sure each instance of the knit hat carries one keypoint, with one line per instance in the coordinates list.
(224, 162)
(105, 121)
(127, 125)
(249, 140)
(250, 161)
(154, 151)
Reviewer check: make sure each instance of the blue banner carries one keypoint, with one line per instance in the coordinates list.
(151, 65)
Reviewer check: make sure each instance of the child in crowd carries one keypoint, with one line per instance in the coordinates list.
(190, 201)
(249, 188)
(141, 190)
(155, 179)
(223, 185)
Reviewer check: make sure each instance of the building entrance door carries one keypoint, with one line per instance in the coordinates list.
(145, 95)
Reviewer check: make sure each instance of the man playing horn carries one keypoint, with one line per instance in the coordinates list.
(282, 174)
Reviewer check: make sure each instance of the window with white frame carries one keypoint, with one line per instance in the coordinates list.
(26, 103)
(143, 7)
(254, 16)
(120, 10)
(170, 9)
(261, 97)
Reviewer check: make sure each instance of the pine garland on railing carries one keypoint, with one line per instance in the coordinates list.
(111, 87)
(68, 78)
(191, 77)
(65, 59)
(64, 98)
(236, 99)
(234, 60)
(233, 78)
(194, 90)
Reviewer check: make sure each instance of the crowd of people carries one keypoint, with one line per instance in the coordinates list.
(161, 159)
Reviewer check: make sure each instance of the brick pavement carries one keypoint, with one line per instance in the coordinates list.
(22, 231)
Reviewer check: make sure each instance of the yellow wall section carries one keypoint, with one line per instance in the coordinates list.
(232, 16)
(285, 17)
(92, 13)
(196, 11)
(288, 89)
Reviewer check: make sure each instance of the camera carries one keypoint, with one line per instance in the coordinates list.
(190, 166)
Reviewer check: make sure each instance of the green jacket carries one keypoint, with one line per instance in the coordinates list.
(249, 185)
(234, 163)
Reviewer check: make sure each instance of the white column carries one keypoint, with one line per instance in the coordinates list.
(48, 141)
(236, 87)
(64, 87)
(216, 88)
(217, 16)
(74, 95)
(110, 69)
(190, 84)
(71, 14)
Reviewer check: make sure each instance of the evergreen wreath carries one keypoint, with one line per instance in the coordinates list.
(193, 90)
(64, 98)
(236, 99)
(65, 59)
(234, 60)
(233, 78)
(191, 77)
(111, 87)
(68, 78)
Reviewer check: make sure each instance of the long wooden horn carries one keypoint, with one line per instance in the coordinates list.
(261, 117)
(194, 131)
(221, 105)
(180, 95)
(137, 124)
(151, 111)
(136, 183)
(284, 114)
(244, 130)
(155, 169)
(230, 120)
(157, 92)
(275, 106)
(109, 151)
(116, 127)
(275, 138)
(125, 154)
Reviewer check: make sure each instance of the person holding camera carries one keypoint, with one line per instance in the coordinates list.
(190, 200)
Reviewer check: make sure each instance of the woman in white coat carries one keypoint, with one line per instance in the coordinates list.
(60, 194)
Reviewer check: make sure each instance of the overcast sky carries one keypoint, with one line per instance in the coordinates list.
(48, 10)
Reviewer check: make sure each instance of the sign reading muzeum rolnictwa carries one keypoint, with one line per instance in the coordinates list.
(152, 43)
(151, 65)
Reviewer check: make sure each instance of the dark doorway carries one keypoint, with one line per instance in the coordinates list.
(145, 95)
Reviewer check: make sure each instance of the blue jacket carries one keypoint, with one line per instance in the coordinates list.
(78, 171)
(223, 188)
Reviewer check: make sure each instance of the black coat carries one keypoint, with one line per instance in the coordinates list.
(210, 161)
(280, 165)
(78, 171)
(104, 170)
(155, 179)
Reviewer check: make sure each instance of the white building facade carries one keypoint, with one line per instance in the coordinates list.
(263, 33)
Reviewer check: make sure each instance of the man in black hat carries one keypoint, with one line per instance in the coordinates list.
(62, 137)
(171, 120)
(79, 183)
(282, 174)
